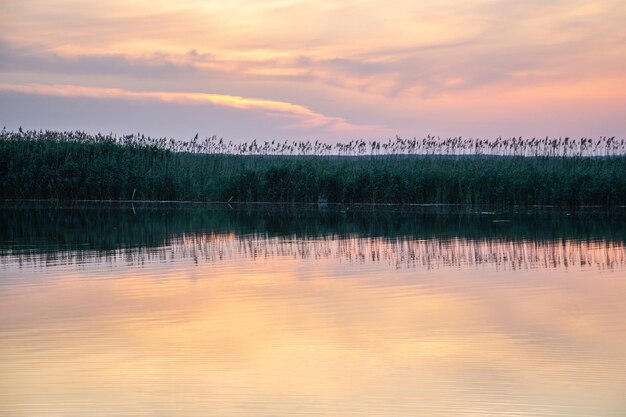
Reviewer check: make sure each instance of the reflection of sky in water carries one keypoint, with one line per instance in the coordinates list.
(221, 325)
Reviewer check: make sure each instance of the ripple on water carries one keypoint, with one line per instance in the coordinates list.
(222, 324)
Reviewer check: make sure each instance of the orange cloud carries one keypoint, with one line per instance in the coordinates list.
(301, 116)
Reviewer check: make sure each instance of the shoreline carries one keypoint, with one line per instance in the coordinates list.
(470, 208)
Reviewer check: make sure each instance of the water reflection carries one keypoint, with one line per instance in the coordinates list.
(250, 313)
(399, 253)
(43, 236)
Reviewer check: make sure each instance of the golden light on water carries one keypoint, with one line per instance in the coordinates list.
(290, 335)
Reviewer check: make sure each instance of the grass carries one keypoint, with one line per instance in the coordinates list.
(74, 165)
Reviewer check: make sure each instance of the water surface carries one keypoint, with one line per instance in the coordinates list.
(213, 311)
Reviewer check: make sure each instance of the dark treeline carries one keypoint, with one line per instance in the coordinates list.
(76, 166)
(38, 227)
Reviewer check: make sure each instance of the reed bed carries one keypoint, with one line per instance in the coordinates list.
(513, 171)
(430, 145)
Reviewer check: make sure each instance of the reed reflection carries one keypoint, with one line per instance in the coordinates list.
(40, 236)
(398, 253)
(257, 314)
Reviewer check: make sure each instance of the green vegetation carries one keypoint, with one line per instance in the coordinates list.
(77, 166)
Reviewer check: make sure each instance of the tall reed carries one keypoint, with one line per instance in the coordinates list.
(75, 165)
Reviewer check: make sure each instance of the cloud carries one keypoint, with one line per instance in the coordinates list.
(443, 47)
(367, 62)
(300, 117)
(38, 60)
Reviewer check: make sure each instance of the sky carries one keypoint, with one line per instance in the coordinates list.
(327, 70)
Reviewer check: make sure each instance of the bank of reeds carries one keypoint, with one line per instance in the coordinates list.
(75, 165)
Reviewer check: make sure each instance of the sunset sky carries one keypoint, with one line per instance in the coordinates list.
(293, 69)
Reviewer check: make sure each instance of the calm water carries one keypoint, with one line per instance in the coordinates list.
(153, 311)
